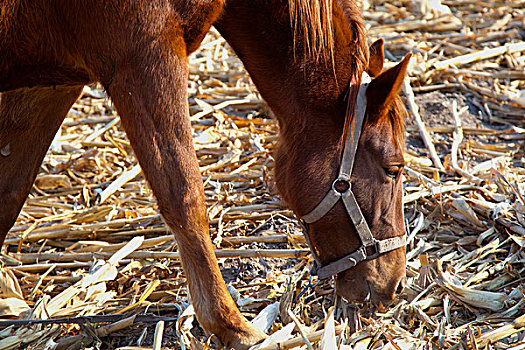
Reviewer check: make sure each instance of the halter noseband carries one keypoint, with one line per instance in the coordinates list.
(370, 247)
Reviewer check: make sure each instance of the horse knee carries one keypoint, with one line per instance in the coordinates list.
(188, 214)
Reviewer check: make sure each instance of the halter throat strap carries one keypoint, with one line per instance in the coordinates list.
(370, 247)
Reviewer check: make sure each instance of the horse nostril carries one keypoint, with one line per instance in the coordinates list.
(400, 286)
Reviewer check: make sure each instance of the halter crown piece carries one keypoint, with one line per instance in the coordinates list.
(370, 247)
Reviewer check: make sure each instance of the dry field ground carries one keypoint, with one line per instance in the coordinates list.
(90, 251)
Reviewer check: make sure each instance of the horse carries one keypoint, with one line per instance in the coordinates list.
(309, 60)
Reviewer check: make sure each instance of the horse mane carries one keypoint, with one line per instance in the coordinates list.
(313, 19)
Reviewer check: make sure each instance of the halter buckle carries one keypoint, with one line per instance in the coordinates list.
(371, 249)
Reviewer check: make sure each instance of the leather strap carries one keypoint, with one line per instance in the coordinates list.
(356, 125)
(370, 247)
(357, 217)
(322, 208)
(351, 260)
(347, 161)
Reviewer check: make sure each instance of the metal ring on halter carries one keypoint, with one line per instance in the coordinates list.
(343, 178)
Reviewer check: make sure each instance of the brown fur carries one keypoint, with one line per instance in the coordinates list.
(138, 49)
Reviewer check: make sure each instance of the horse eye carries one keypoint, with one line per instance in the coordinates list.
(392, 171)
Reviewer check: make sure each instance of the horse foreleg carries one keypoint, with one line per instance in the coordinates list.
(151, 99)
(29, 119)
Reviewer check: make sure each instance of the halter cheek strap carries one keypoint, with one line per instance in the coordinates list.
(370, 247)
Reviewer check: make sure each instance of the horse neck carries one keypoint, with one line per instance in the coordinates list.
(303, 92)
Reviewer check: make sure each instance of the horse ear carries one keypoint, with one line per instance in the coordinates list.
(377, 58)
(385, 87)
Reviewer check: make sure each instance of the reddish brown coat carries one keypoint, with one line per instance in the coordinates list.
(138, 49)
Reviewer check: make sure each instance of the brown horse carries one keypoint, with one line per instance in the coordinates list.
(306, 58)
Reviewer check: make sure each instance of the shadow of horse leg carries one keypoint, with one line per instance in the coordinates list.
(29, 119)
(150, 96)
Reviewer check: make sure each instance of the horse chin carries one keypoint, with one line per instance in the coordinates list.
(353, 290)
(362, 291)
